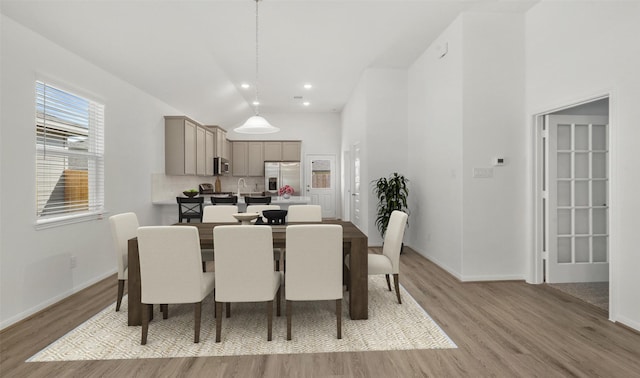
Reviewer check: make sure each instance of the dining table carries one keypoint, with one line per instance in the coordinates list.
(354, 244)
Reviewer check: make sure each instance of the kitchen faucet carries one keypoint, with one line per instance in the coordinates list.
(244, 185)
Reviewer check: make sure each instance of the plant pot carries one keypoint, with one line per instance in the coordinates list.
(286, 196)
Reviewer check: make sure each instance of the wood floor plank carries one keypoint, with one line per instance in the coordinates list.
(500, 328)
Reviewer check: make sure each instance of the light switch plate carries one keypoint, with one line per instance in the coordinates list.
(482, 173)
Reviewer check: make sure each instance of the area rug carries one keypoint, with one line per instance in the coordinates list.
(390, 326)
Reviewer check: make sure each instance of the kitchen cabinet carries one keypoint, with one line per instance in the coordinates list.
(201, 153)
(291, 150)
(180, 146)
(248, 158)
(210, 143)
(282, 150)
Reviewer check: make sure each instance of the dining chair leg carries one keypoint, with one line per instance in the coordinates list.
(269, 319)
(288, 310)
(120, 294)
(204, 266)
(165, 311)
(228, 309)
(197, 316)
(339, 317)
(218, 320)
(388, 281)
(145, 323)
(396, 282)
(278, 302)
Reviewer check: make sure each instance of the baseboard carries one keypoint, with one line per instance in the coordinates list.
(497, 277)
(438, 263)
(628, 323)
(33, 310)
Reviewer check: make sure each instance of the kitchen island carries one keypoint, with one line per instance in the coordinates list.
(169, 207)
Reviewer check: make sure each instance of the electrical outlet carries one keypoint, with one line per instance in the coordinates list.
(73, 262)
(482, 172)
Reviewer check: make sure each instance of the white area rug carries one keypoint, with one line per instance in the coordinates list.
(390, 326)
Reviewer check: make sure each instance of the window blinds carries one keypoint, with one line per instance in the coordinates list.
(69, 153)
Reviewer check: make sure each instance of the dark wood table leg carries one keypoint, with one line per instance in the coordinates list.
(133, 281)
(359, 289)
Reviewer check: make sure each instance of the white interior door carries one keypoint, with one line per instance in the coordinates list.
(577, 199)
(321, 187)
(356, 216)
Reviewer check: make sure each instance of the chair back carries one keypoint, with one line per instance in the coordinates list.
(220, 214)
(304, 213)
(265, 200)
(230, 200)
(170, 264)
(123, 227)
(393, 238)
(190, 208)
(314, 262)
(244, 263)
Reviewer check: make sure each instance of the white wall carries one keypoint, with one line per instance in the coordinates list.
(593, 50)
(435, 151)
(376, 116)
(494, 222)
(35, 265)
(465, 108)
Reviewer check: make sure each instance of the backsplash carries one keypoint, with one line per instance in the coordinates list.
(165, 187)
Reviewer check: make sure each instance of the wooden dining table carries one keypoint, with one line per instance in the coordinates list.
(354, 244)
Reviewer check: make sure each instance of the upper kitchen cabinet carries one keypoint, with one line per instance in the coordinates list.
(180, 145)
(291, 150)
(248, 158)
(210, 146)
(282, 150)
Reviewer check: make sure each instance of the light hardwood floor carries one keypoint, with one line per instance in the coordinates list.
(504, 329)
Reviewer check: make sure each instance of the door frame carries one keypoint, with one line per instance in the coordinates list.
(535, 262)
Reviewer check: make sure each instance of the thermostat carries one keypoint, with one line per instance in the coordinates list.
(498, 161)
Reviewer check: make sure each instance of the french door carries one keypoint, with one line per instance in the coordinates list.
(576, 198)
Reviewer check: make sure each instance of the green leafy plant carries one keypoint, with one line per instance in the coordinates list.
(392, 193)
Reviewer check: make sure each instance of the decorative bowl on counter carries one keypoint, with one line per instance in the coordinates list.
(275, 216)
(190, 193)
(246, 218)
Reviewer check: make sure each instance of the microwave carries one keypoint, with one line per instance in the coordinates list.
(221, 166)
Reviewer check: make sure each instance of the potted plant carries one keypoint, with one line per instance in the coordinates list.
(392, 193)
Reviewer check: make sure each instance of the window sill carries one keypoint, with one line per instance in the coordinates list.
(42, 224)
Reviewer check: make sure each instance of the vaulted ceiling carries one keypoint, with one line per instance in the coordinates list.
(194, 55)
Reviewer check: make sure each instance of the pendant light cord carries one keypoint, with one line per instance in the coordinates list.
(257, 101)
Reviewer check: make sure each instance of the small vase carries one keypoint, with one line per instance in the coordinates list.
(286, 196)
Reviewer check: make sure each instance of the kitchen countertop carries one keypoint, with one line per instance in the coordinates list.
(274, 200)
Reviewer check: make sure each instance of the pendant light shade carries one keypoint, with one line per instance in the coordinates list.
(256, 124)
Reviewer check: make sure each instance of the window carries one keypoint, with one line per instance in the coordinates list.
(69, 156)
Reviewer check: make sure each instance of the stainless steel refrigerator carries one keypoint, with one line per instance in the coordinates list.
(277, 175)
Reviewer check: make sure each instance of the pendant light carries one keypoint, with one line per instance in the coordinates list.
(256, 124)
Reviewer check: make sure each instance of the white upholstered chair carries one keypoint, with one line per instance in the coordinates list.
(216, 214)
(277, 252)
(123, 227)
(314, 267)
(244, 270)
(304, 213)
(220, 214)
(170, 272)
(389, 261)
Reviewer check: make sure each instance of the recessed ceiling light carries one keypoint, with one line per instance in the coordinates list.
(245, 85)
(308, 86)
(306, 103)
(256, 103)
